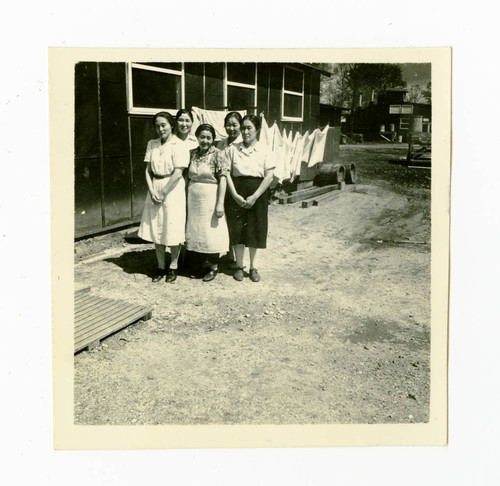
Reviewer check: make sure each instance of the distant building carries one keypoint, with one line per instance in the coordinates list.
(392, 117)
(114, 104)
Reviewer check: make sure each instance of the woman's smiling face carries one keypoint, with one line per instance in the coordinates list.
(162, 128)
(205, 140)
(184, 124)
(233, 128)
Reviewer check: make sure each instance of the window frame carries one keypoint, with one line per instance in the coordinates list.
(239, 85)
(404, 121)
(406, 109)
(138, 110)
(292, 93)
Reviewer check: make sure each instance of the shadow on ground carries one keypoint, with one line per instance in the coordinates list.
(136, 262)
(144, 262)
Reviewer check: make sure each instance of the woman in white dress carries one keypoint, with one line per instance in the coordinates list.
(164, 216)
(206, 229)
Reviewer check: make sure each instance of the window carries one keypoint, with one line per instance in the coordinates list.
(404, 123)
(401, 109)
(292, 101)
(241, 86)
(154, 87)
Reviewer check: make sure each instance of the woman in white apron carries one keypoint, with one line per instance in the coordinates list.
(206, 229)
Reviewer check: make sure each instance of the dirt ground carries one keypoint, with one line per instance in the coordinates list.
(337, 331)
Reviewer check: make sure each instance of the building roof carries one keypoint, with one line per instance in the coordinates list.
(397, 90)
(322, 71)
(343, 110)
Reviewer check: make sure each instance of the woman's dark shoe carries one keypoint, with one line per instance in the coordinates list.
(160, 273)
(210, 275)
(171, 275)
(254, 275)
(238, 275)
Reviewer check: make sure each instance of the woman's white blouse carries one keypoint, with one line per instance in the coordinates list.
(224, 144)
(191, 141)
(166, 157)
(249, 161)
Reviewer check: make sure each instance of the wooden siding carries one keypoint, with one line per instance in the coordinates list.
(88, 204)
(141, 130)
(214, 75)
(115, 144)
(262, 88)
(193, 75)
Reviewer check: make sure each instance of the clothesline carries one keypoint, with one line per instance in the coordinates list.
(288, 149)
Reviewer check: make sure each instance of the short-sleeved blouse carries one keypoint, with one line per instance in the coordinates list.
(224, 144)
(249, 161)
(191, 141)
(208, 167)
(165, 157)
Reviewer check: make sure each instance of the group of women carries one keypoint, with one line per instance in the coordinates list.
(206, 197)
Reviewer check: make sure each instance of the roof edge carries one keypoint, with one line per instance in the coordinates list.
(322, 71)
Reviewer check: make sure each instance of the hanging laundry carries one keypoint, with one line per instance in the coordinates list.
(287, 141)
(279, 151)
(286, 162)
(266, 134)
(297, 148)
(212, 117)
(308, 143)
(318, 148)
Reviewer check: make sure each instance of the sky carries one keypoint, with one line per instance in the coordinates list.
(417, 73)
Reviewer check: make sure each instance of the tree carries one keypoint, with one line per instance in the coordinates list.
(415, 94)
(349, 81)
(334, 90)
(427, 93)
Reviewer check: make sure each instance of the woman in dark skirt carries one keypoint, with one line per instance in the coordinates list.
(251, 173)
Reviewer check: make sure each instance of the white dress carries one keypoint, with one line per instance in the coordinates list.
(164, 223)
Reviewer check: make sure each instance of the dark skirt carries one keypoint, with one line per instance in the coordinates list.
(247, 226)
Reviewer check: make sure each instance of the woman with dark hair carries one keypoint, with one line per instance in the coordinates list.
(251, 172)
(232, 124)
(184, 122)
(164, 216)
(206, 229)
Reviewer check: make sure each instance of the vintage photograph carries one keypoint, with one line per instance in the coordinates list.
(252, 242)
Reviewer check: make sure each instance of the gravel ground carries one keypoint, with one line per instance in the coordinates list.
(337, 331)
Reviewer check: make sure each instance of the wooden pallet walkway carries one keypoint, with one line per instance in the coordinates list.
(333, 194)
(305, 194)
(96, 318)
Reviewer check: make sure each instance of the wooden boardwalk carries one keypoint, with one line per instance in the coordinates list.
(97, 318)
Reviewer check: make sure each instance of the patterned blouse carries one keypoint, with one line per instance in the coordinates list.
(207, 168)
